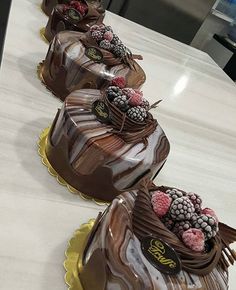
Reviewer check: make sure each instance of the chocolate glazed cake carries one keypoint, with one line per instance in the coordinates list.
(77, 60)
(103, 159)
(76, 15)
(116, 257)
(48, 5)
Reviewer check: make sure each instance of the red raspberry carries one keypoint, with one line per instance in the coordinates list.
(135, 100)
(161, 203)
(108, 36)
(119, 82)
(194, 239)
(211, 212)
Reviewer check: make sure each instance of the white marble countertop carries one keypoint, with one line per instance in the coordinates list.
(37, 215)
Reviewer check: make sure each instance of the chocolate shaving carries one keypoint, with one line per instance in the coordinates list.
(145, 222)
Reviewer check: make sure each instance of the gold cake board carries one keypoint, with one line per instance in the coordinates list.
(73, 262)
(42, 152)
(42, 35)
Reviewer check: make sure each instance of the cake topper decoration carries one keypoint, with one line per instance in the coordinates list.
(161, 255)
(73, 14)
(94, 54)
(101, 111)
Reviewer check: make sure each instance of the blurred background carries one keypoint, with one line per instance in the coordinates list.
(208, 25)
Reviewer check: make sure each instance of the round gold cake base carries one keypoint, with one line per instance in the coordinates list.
(42, 152)
(42, 35)
(74, 253)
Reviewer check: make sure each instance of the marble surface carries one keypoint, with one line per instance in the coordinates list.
(37, 215)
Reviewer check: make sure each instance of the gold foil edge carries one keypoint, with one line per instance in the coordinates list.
(74, 252)
(42, 153)
(42, 35)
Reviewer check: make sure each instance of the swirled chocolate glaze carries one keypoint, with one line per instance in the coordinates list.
(113, 251)
(68, 68)
(59, 21)
(48, 5)
(94, 159)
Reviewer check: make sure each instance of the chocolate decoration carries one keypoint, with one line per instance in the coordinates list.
(74, 14)
(94, 54)
(161, 255)
(101, 111)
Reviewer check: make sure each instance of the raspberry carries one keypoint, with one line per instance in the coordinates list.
(119, 82)
(137, 114)
(94, 28)
(108, 35)
(211, 212)
(160, 203)
(181, 209)
(128, 92)
(135, 100)
(194, 239)
(196, 201)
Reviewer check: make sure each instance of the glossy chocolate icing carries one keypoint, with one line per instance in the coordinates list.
(67, 68)
(59, 21)
(93, 158)
(114, 246)
(48, 5)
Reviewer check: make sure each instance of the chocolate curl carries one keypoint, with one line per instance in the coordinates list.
(154, 105)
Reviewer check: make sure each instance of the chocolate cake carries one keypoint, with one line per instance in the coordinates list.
(76, 15)
(48, 5)
(104, 142)
(78, 60)
(130, 248)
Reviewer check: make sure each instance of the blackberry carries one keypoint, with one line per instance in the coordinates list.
(137, 114)
(115, 40)
(119, 50)
(174, 193)
(181, 209)
(145, 104)
(207, 224)
(105, 44)
(196, 201)
(97, 35)
(168, 222)
(181, 227)
(113, 92)
(121, 102)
